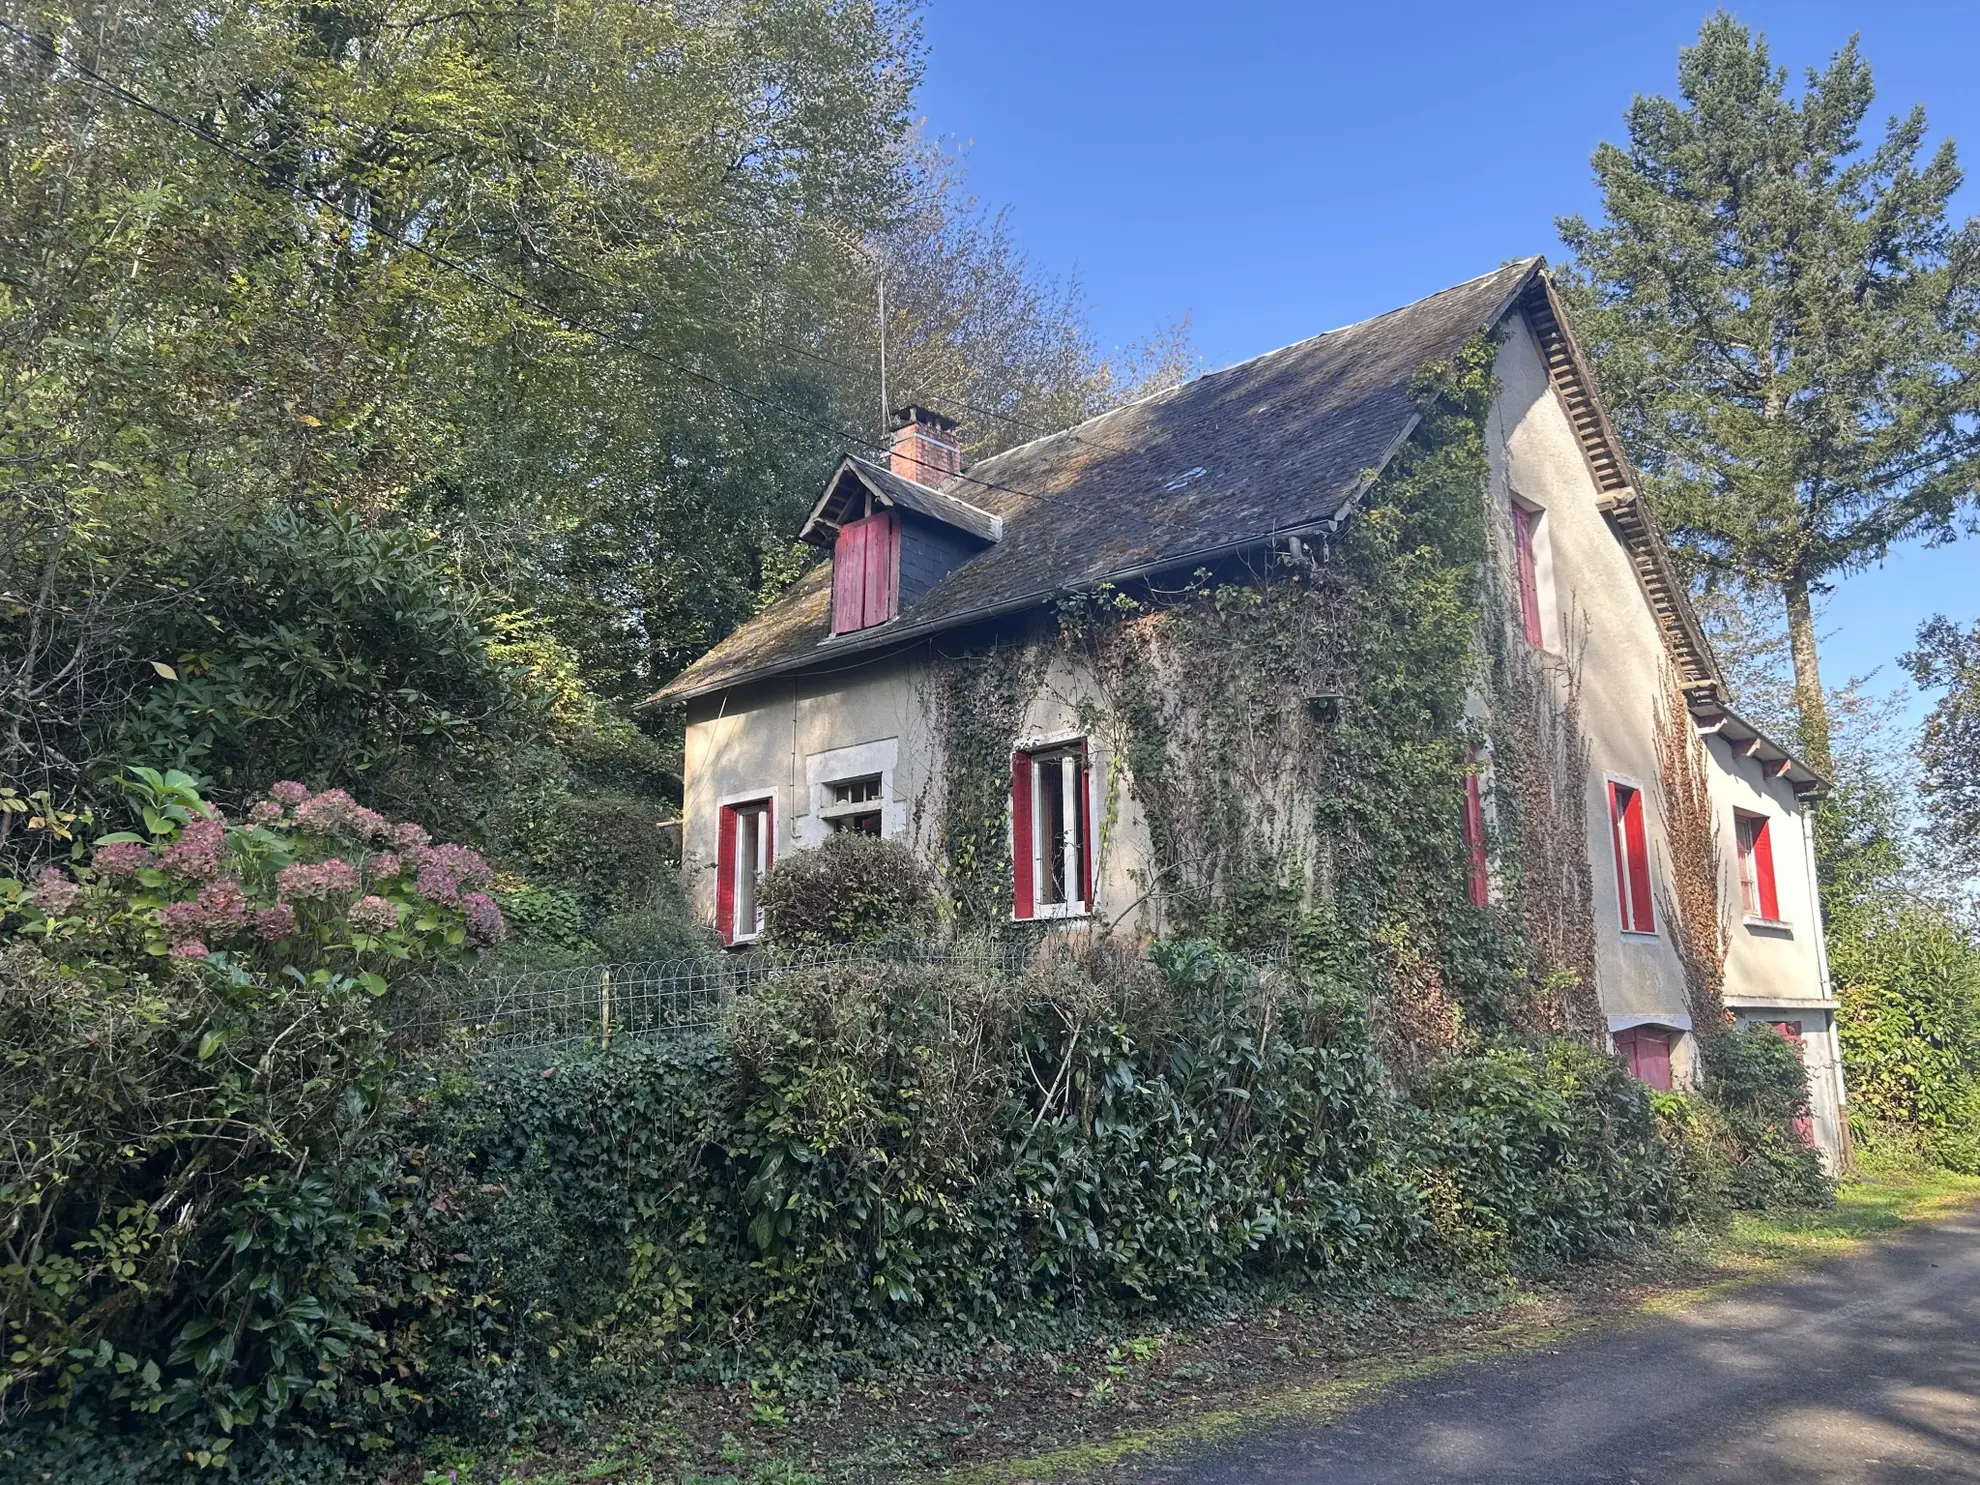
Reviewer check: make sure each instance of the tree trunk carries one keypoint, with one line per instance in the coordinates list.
(1809, 699)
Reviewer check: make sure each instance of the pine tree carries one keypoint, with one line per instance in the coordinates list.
(1788, 327)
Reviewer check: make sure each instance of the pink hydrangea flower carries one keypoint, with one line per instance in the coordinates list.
(484, 920)
(436, 884)
(289, 792)
(465, 866)
(189, 948)
(226, 907)
(195, 855)
(267, 812)
(306, 882)
(275, 923)
(370, 825)
(409, 837)
(326, 813)
(182, 919)
(373, 915)
(382, 865)
(55, 894)
(122, 857)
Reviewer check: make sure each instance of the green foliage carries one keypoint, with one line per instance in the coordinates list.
(1950, 745)
(1552, 1149)
(1784, 323)
(1909, 979)
(195, 1099)
(850, 887)
(873, 1159)
(1757, 1080)
(311, 647)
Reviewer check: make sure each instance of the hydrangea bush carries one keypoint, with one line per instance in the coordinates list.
(197, 1173)
(312, 882)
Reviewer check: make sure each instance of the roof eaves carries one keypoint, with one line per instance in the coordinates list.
(1715, 719)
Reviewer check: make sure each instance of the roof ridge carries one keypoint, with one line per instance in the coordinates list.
(1071, 430)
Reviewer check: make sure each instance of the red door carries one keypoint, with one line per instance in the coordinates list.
(1647, 1050)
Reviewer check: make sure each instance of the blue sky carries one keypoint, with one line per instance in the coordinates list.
(1275, 169)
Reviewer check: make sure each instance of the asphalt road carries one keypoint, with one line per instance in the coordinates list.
(1865, 1369)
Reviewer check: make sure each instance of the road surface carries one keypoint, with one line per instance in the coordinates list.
(1866, 1369)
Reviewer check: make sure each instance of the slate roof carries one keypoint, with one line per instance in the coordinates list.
(949, 509)
(1281, 443)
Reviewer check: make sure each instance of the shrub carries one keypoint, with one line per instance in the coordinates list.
(1910, 1030)
(852, 887)
(871, 1158)
(1756, 1079)
(1552, 1149)
(193, 1093)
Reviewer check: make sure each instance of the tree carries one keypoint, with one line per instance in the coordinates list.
(1950, 746)
(1787, 325)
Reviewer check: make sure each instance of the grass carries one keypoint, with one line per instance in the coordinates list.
(1091, 1412)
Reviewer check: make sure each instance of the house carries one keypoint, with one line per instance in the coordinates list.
(838, 707)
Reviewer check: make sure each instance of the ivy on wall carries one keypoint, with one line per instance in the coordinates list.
(1295, 734)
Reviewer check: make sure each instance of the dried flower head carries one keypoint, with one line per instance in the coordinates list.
(289, 792)
(55, 894)
(373, 915)
(122, 857)
(182, 919)
(275, 923)
(267, 812)
(327, 813)
(226, 907)
(484, 920)
(195, 855)
(189, 948)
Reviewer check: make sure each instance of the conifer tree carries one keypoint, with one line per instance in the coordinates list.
(1787, 324)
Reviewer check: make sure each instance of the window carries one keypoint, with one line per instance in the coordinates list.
(1478, 875)
(1757, 895)
(743, 852)
(1051, 832)
(856, 805)
(1526, 522)
(866, 572)
(1647, 1050)
(1632, 858)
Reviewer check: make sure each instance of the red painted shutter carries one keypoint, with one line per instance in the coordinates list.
(1763, 872)
(1653, 1059)
(725, 875)
(1022, 897)
(1478, 872)
(1529, 580)
(848, 577)
(1639, 863)
(1085, 784)
(880, 536)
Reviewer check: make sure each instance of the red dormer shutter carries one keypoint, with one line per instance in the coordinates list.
(866, 572)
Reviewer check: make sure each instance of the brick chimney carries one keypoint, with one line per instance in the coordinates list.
(923, 446)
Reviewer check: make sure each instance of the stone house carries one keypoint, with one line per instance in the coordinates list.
(837, 707)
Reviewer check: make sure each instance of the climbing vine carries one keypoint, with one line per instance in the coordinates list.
(1292, 736)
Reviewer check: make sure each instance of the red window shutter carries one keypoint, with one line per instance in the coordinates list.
(848, 577)
(1653, 1059)
(725, 875)
(1022, 897)
(1529, 580)
(1085, 785)
(1639, 863)
(1763, 871)
(882, 573)
(1478, 871)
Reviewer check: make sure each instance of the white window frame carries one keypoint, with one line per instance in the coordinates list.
(764, 807)
(1070, 746)
(828, 814)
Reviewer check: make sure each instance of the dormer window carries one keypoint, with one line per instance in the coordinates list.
(866, 572)
(893, 536)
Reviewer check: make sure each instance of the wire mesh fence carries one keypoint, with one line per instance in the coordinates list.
(598, 1003)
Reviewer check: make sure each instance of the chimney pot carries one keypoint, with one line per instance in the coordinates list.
(922, 446)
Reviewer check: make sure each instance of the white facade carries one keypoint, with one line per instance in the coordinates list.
(797, 740)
